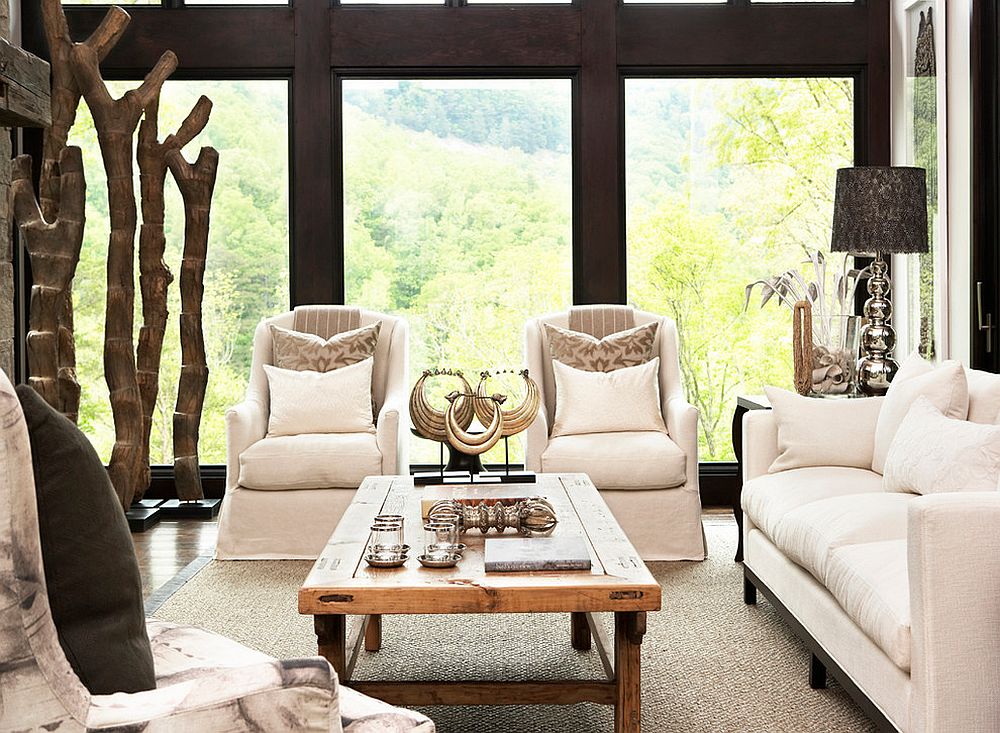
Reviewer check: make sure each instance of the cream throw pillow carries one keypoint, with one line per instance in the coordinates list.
(320, 402)
(306, 351)
(816, 431)
(946, 387)
(626, 399)
(932, 453)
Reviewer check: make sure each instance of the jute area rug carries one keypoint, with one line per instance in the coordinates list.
(709, 663)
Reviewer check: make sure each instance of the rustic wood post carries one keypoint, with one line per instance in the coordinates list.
(54, 248)
(154, 275)
(196, 183)
(65, 100)
(115, 121)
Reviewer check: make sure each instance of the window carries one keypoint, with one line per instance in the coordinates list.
(458, 216)
(727, 181)
(246, 275)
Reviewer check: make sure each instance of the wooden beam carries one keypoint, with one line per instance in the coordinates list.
(560, 692)
(467, 36)
(24, 88)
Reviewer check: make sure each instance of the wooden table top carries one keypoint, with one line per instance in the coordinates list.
(342, 583)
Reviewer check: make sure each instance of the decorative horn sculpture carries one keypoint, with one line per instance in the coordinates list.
(430, 422)
(516, 419)
(472, 443)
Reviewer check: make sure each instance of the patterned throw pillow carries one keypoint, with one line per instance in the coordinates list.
(307, 352)
(615, 351)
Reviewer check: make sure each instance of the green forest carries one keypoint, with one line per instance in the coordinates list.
(458, 202)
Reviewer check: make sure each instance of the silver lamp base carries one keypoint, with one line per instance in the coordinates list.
(876, 368)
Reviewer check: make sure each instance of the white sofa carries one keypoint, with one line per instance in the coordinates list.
(285, 495)
(897, 595)
(649, 480)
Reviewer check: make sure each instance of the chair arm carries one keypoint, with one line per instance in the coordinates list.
(246, 423)
(297, 694)
(681, 419)
(953, 561)
(536, 438)
(760, 442)
(391, 434)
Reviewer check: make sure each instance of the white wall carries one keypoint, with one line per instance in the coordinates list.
(955, 65)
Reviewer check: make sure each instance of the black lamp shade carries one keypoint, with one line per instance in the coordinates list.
(880, 210)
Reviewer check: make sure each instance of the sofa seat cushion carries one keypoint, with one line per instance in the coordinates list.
(809, 534)
(766, 499)
(870, 583)
(645, 459)
(310, 461)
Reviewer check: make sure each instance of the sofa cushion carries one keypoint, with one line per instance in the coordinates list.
(946, 387)
(870, 583)
(819, 432)
(933, 454)
(91, 574)
(310, 461)
(766, 499)
(984, 396)
(626, 460)
(320, 402)
(810, 533)
(308, 352)
(618, 350)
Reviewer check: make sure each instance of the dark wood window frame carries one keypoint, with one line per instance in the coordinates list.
(597, 43)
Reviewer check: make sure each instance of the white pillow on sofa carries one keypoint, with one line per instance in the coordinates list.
(932, 453)
(626, 399)
(320, 402)
(946, 387)
(816, 431)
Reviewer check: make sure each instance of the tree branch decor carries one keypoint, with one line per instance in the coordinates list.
(115, 121)
(154, 275)
(196, 183)
(54, 248)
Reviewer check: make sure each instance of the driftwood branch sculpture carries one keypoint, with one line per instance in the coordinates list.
(154, 275)
(115, 121)
(54, 248)
(196, 183)
(65, 99)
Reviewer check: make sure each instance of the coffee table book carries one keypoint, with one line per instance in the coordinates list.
(536, 554)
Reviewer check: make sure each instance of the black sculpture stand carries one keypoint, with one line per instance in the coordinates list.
(144, 514)
(464, 468)
(199, 509)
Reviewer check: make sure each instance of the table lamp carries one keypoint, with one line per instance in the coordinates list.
(879, 210)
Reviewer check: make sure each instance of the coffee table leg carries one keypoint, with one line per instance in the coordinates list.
(331, 635)
(629, 630)
(373, 633)
(579, 631)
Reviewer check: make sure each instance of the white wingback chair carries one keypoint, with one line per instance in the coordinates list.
(649, 480)
(204, 682)
(285, 495)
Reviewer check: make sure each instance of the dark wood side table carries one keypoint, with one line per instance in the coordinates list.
(744, 403)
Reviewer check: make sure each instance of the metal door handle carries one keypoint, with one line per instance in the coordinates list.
(985, 321)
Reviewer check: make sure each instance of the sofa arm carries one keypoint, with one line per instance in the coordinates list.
(760, 442)
(536, 438)
(299, 694)
(246, 423)
(953, 558)
(391, 434)
(682, 427)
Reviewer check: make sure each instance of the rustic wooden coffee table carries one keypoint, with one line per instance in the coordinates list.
(342, 584)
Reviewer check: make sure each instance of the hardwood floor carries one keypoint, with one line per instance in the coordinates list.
(166, 549)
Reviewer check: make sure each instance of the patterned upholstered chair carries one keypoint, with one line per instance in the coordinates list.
(205, 682)
(649, 480)
(285, 495)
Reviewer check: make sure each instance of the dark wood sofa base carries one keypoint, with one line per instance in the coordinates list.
(820, 662)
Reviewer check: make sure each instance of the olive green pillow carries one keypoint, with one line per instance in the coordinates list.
(91, 573)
